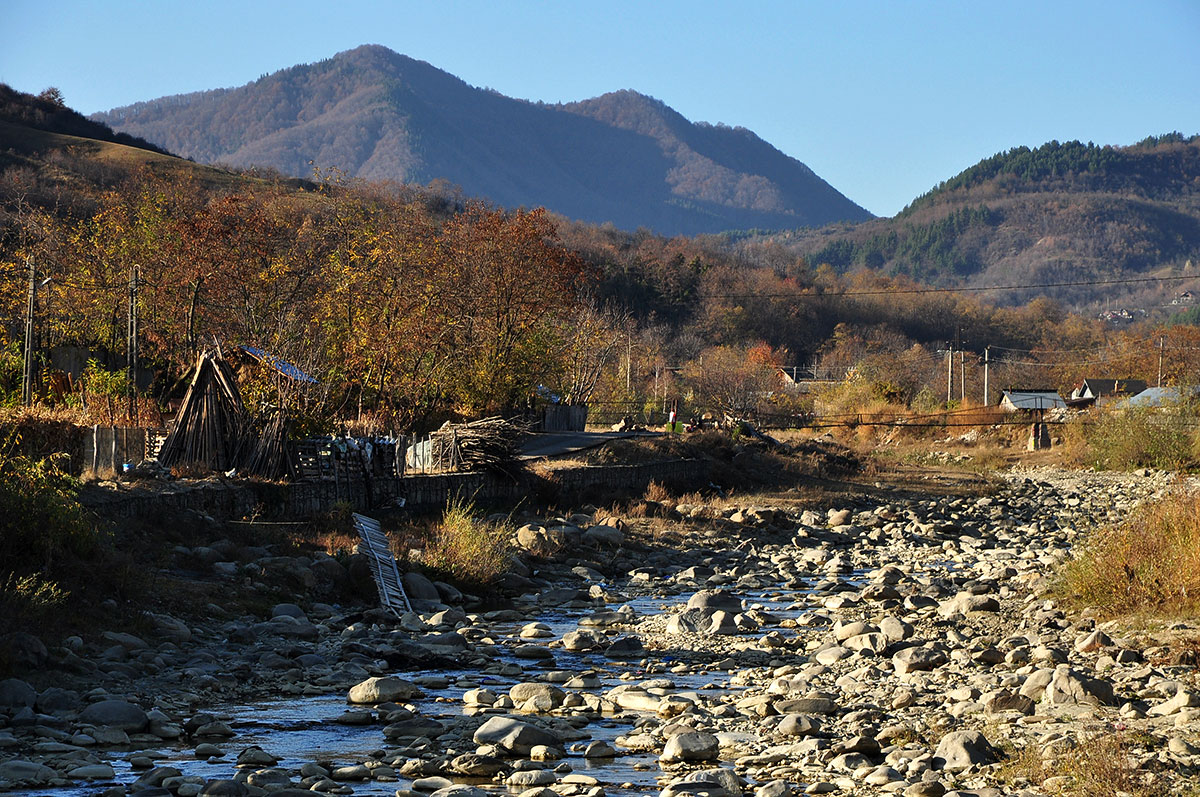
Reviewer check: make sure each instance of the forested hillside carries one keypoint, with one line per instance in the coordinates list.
(409, 306)
(622, 158)
(1060, 213)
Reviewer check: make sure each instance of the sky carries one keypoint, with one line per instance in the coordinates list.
(882, 99)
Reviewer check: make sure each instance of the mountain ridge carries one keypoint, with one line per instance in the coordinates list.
(622, 157)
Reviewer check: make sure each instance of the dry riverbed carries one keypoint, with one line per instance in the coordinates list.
(892, 641)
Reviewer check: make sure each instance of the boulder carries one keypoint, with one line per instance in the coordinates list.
(963, 749)
(119, 714)
(690, 746)
(514, 736)
(15, 693)
(386, 689)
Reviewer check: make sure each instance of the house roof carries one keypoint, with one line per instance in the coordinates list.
(1034, 399)
(1159, 396)
(1110, 387)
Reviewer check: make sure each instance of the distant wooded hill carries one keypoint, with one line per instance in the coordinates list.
(1058, 213)
(622, 158)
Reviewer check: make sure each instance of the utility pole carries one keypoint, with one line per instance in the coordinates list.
(131, 345)
(985, 375)
(30, 309)
(950, 374)
(1160, 359)
(962, 377)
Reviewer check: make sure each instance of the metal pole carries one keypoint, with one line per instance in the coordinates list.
(30, 309)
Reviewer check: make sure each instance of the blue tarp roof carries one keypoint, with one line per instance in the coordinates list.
(1158, 396)
(282, 366)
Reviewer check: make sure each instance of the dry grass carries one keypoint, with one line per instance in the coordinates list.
(466, 549)
(1098, 767)
(1150, 563)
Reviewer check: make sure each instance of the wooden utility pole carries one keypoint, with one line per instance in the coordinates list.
(1161, 340)
(985, 376)
(962, 377)
(30, 310)
(131, 345)
(950, 374)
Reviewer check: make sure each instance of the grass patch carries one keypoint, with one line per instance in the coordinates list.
(468, 550)
(1098, 767)
(1150, 563)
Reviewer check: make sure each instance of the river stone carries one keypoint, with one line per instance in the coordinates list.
(224, 788)
(351, 772)
(386, 689)
(715, 599)
(626, 647)
(461, 790)
(474, 765)
(917, 659)
(604, 535)
(960, 750)
(15, 693)
(811, 704)
(513, 735)
(584, 639)
(414, 727)
(120, 714)
(1069, 687)
(420, 588)
(256, 757)
(540, 540)
(528, 778)
(55, 699)
(23, 651)
(1182, 699)
(93, 772)
(529, 690)
(799, 725)
(270, 779)
(690, 746)
(28, 771)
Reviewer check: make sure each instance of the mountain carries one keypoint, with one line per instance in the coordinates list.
(1061, 212)
(623, 157)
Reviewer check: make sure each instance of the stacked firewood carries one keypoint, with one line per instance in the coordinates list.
(486, 444)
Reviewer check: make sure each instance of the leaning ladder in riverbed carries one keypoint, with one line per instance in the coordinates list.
(383, 565)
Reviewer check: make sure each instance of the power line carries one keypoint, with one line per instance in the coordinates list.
(963, 289)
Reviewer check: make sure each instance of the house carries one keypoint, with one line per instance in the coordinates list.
(1102, 391)
(1029, 400)
(1160, 396)
(1183, 297)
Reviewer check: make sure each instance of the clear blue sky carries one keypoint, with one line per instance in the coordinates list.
(881, 99)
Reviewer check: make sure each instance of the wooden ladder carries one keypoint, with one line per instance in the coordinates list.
(383, 565)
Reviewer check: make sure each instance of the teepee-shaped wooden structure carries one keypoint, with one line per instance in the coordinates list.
(210, 426)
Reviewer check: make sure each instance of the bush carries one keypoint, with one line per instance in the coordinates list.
(41, 524)
(466, 549)
(1150, 562)
(1142, 438)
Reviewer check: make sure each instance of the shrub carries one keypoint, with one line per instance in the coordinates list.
(1150, 562)
(467, 549)
(40, 520)
(1142, 438)
(41, 525)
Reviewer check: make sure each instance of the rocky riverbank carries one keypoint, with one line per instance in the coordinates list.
(889, 644)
